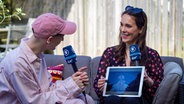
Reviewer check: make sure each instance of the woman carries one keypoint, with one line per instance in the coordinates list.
(133, 27)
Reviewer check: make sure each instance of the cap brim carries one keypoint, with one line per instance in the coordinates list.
(69, 28)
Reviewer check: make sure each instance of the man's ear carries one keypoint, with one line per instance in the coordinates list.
(49, 39)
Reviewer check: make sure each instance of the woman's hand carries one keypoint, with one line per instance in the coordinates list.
(147, 79)
(101, 83)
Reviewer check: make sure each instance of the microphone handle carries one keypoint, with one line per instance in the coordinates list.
(74, 66)
(84, 93)
(136, 63)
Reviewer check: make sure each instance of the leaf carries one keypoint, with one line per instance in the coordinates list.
(23, 14)
(6, 12)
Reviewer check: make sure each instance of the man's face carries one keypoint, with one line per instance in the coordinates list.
(55, 41)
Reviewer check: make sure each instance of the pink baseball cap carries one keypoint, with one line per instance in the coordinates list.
(49, 24)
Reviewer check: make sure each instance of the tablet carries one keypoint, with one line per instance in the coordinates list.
(124, 81)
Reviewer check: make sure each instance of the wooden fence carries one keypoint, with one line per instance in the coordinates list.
(98, 23)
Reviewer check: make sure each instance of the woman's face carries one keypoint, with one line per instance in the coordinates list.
(128, 29)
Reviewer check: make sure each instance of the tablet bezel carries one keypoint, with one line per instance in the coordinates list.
(125, 69)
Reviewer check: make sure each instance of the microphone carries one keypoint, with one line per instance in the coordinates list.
(135, 54)
(71, 58)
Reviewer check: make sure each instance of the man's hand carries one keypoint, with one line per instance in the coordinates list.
(81, 77)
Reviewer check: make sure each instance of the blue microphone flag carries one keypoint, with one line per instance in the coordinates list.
(135, 52)
(69, 54)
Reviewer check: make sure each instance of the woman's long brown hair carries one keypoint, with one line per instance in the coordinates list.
(141, 22)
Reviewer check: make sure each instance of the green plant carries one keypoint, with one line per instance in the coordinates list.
(5, 12)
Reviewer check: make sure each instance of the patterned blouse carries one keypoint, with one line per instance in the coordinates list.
(153, 67)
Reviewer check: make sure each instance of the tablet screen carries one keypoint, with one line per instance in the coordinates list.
(124, 81)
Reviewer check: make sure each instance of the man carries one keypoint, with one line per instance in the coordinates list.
(24, 78)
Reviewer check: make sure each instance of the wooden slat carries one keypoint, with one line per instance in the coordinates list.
(98, 23)
(158, 26)
(101, 28)
(172, 27)
(153, 24)
(179, 22)
(164, 28)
